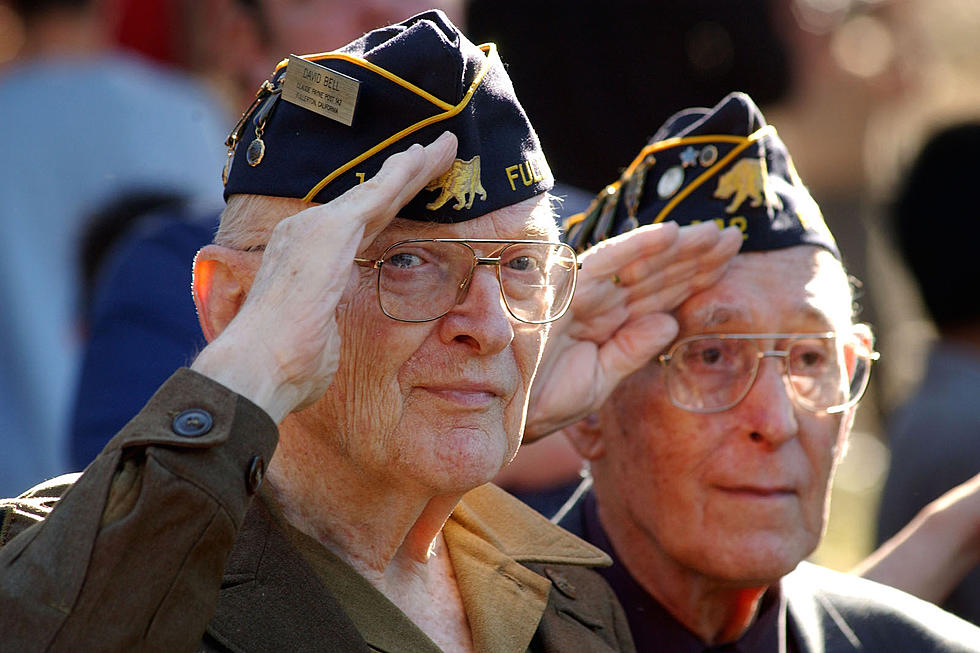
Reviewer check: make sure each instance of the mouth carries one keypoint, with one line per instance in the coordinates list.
(465, 395)
(758, 491)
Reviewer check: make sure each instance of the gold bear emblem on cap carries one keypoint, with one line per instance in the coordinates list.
(747, 180)
(461, 183)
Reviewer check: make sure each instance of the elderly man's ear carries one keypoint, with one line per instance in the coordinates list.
(586, 437)
(222, 279)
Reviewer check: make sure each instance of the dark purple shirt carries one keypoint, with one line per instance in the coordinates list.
(655, 629)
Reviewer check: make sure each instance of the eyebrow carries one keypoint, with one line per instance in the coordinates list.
(710, 317)
(536, 231)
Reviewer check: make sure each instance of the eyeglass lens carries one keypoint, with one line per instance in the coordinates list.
(714, 374)
(423, 280)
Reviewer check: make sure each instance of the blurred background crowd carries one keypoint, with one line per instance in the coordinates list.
(113, 111)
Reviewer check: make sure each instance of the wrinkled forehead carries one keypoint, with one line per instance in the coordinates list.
(801, 289)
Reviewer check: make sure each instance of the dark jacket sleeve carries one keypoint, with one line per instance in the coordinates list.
(131, 556)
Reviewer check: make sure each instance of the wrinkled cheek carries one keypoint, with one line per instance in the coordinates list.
(360, 394)
(527, 349)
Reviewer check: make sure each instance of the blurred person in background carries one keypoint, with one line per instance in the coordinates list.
(934, 435)
(82, 121)
(594, 107)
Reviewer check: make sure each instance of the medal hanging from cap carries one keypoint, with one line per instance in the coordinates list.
(265, 99)
(634, 190)
(256, 149)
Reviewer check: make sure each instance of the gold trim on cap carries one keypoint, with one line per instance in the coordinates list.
(449, 111)
(742, 141)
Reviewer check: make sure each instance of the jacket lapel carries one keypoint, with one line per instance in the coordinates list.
(549, 565)
(818, 625)
(271, 601)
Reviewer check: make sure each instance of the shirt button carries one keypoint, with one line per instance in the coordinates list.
(560, 582)
(256, 472)
(192, 423)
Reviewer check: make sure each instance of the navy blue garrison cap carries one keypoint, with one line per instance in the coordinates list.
(723, 164)
(325, 122)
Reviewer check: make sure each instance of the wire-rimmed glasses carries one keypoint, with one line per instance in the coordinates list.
(825, 372)
(422, 279)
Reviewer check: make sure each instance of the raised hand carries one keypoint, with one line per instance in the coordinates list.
(282, 346)
(620, 315)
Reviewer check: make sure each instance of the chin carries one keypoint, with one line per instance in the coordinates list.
(468, 458)
(759, 559)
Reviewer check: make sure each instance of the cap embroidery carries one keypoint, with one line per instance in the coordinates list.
(746, 180)
(461, 183)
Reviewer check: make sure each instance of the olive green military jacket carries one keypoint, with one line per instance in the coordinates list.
(158, 546)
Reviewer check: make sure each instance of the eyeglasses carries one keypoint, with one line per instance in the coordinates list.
(826, 373)
(424, 278)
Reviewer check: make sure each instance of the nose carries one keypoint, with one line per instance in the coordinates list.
(480, 318)
(768, 409)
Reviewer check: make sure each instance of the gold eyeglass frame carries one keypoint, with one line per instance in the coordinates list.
(493, 260)
(665, 358)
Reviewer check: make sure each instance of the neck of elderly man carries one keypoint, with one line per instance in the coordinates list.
(375, 467)
(707, 511)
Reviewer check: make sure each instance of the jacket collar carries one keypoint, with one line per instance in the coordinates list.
(520, 532)
(264, 569)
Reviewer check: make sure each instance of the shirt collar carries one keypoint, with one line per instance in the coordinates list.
(521, 533)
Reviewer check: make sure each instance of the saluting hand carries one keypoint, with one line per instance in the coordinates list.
(620, 315)
(281, 346)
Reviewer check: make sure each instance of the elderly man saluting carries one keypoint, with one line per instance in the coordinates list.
(383, 294)
(712, 464)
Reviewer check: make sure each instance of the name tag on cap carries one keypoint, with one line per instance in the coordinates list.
(321, 90)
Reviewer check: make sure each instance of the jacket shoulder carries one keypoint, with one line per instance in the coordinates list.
(33, 506)
(847, 613)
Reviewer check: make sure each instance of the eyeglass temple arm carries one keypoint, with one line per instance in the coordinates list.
(368, 263)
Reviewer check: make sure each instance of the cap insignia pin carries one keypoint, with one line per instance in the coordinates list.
(670, 181)
(708, 155)
(689, 157)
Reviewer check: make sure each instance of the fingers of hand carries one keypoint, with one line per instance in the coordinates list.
(400, 179)
(691, 244)
(712, 265)
(610, 256)
(372, 204)
(663, 283)
(654, 265)
(436, 159)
